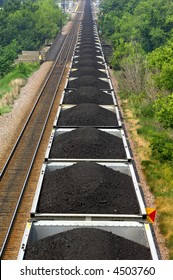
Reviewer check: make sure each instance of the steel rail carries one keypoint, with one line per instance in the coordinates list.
(63, 48)
(34, 107)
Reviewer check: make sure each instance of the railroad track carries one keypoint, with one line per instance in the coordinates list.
(88, 189)
(16, 171)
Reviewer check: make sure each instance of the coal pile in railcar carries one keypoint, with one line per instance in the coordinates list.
(88, 46)
(86, 50)
(87, 71)
(87, 187)
(87, 115)
(88, 43)
(87, 95)
(87, 143)
(88, 80)
(88, 56)
(86, 244)
(87, 34)
(83, 62)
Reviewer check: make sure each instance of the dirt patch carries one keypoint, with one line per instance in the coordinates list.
(141, 146)
(86, 244)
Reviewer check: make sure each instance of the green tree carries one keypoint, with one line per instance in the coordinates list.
(48, 19)
(151, 22)
(11, 5)
(160, 62)
(28, 23)
(7, 56)
(164, 110)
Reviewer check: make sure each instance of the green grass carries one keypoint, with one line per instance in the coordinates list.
(160, 177)
(20, 71)
(5, 109)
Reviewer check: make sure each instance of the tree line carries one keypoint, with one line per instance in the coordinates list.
(141, 34)
(24, 25)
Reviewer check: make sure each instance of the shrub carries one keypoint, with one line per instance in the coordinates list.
(164, 110)
(162, 147)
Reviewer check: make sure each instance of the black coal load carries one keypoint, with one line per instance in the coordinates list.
(92, 57)
(84, 50)
(83, 62)
(88, 80)
(86, 42)
(88, 29)
(90, 188)
(87, 115)
(90, 37)
(88, 34)
(86, 244)
(87, 71)
(87, 143)
(87, 45)
(87, 95)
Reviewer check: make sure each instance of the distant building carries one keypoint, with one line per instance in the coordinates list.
(65, 4)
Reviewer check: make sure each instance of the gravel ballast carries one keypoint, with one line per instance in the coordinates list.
(87, 143)
(87, 187)
(87, 115)
(86, 244)
(87, 95)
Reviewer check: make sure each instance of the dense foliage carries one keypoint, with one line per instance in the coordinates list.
(24, 25)
(141, 35)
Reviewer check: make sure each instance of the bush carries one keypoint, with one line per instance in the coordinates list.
(162, 147)
(164, 110)
(25, 69)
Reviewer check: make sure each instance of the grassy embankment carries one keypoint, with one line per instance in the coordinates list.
(10, 84)
(154, 143)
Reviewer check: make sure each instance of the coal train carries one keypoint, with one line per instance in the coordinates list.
(88, 203)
